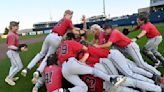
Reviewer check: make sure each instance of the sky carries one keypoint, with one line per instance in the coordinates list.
(28, 12)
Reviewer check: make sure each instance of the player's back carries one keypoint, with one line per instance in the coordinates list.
(119, 39)
(67, 49)
(151, 30)
(98, 52)
(62, 26)
(53, 77)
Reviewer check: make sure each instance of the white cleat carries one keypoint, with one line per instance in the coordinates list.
(24, 72)
(118, 81)
(61, 90)
(35, 89)
(157, 64)
(35, 77)
(15, 78)
(9, 81)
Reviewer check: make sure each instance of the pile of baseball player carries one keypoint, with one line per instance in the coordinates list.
(112, 62)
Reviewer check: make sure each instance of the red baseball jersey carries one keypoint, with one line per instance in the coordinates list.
(53, 77)
(94, 55)
(67, 49)
(94, 84)
(102, 38)
(13, 39)
(151, 30)
(98, 52)
(119, 39)
(91, 61)
(62, 26)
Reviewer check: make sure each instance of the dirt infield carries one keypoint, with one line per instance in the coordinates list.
(3, 46)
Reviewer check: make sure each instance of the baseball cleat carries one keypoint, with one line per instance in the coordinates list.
(63, 90)
(24, 72)
(35, 77)
(9, 81)
(157, 64)
(117, 81)
(15, 78)
(35, 89)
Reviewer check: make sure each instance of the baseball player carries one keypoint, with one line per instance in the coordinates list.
(105, 66)
(71, 67)
(53, 40)
(117, 38)
(102, 53)
(129, 84)
(13, 53)
(98, 34)
(52, 75)
(154, 36)
(95, 84)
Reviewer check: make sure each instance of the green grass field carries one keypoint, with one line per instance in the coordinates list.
(25, 85)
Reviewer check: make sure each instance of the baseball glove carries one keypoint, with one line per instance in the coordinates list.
(23, 47)
(125, 31)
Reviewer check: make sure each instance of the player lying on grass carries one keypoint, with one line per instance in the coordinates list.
(53, 40)
(13, 53)
(134, 75)
(72, 68)
(154, 36)
(124, 43)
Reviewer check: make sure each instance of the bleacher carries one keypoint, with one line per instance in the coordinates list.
(126, 20)
(155, 17)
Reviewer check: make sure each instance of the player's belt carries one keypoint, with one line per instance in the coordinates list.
(56, 33)
(13, 50)
(127, 45)
(66, 60)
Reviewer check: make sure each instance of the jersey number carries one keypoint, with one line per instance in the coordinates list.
(64, 49)
(91, 82)
(48, 78)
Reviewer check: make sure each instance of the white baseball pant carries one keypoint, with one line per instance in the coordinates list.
(120, 62)
(138, 70)
(16, 63)
(153, 43)
(130, 82)
(72, 68)
(40, 82)
(151, 48)
(134, 51)
(107, 67)
(49, 46)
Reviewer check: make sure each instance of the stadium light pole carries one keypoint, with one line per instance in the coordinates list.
(50, 16)
(104, 7)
